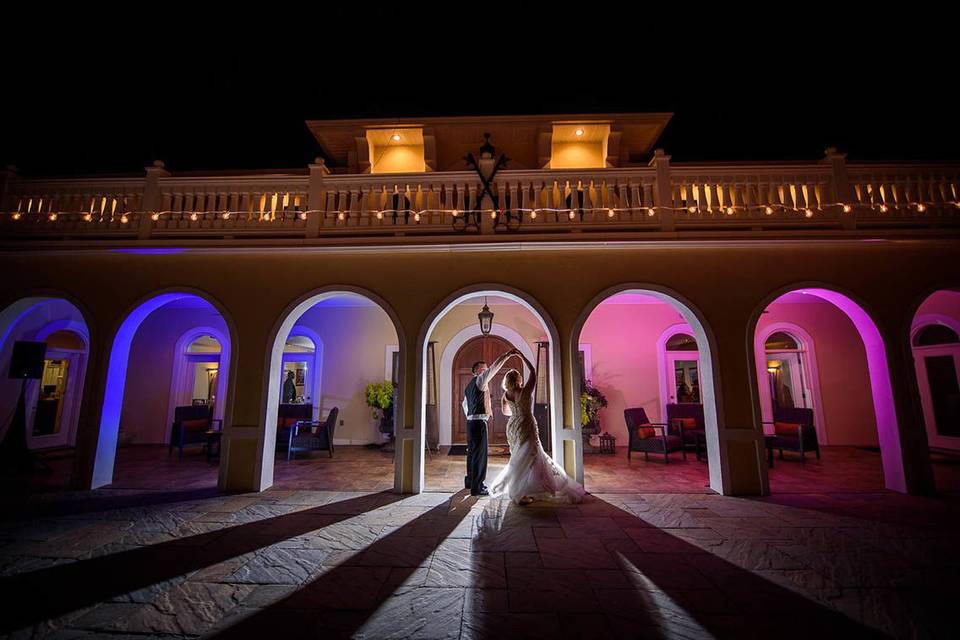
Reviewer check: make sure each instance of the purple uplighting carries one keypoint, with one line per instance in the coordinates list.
(116, 379)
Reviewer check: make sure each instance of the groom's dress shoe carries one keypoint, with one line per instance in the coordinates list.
(482, 492)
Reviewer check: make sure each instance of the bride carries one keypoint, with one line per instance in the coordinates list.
(531, 473)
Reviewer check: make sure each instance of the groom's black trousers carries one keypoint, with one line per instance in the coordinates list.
(476, 455)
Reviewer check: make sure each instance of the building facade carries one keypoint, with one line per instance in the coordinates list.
(585, 233)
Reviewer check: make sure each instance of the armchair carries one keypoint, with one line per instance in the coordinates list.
(303, 438)
(190, 426)
(287, 416)
(794, 431)
(689, 415)
(651, 437)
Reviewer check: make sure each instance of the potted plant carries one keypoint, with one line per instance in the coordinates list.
(380, 400)
(591, 401)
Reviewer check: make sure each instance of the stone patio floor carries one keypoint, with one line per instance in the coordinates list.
(292, 562)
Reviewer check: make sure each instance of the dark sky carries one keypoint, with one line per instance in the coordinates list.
(107, 109)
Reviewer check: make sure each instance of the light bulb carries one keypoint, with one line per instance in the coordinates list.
(124, 219)
(883, 208)
(650, 211)
(379, 215)
(303, 215)
(193, 216)
(571, 215)
(692, 209)
(768, 210)
(610, 213)
(808, 212)
(53, 217)
(579, 132)
(226, 215)
(847, 208)
(395, 137)
(493, 215)
(155, 216)
(921, 207)
(730, 211)
(533, 215)
(416, 217)
(341, 216)
(455, 213)
(16, 216)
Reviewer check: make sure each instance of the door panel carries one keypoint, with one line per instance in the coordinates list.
(487, 349)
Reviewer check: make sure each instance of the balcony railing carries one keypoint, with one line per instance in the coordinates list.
(677, 198)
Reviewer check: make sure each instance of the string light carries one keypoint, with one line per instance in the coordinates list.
(124, 219)
(650, 210)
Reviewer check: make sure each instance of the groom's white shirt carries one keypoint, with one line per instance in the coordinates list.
(482, 381)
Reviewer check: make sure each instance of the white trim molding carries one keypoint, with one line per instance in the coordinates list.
(445, 370)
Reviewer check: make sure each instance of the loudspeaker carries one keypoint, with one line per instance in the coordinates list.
(26, 362)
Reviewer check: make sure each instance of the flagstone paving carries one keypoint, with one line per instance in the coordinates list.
(291, 563)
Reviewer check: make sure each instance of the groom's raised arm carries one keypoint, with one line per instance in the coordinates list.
(494, 368)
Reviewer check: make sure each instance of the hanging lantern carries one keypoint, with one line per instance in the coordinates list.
(486, 319)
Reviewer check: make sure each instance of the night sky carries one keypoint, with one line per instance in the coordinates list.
(103, 109)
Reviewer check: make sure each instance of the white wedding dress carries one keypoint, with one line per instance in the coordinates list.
(531, 472)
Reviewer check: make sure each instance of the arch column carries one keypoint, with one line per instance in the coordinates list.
(91, 401)
(243, 467)
(408, 456)
(742, 453)
(568, 443)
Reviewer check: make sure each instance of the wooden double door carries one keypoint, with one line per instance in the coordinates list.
(488, 349)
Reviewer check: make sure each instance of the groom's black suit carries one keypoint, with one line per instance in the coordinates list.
(475, 398)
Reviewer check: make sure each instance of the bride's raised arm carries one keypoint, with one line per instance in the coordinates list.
(532, 376)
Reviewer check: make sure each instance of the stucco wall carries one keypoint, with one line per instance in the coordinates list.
(146, 398)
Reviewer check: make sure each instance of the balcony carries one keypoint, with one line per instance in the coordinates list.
(662, 200)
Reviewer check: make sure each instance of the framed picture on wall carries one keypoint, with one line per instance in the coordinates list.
(300, 377)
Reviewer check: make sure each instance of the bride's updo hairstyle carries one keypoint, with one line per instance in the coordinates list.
(511, 381)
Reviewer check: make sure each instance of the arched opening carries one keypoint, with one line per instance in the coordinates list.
(647, 412)
(166, 395)
(786, 360)
(824, 392)
(450, 343)
(935, 344)
(52, 400)
(333, 388)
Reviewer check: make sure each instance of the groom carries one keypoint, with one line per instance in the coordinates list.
(477, 408)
